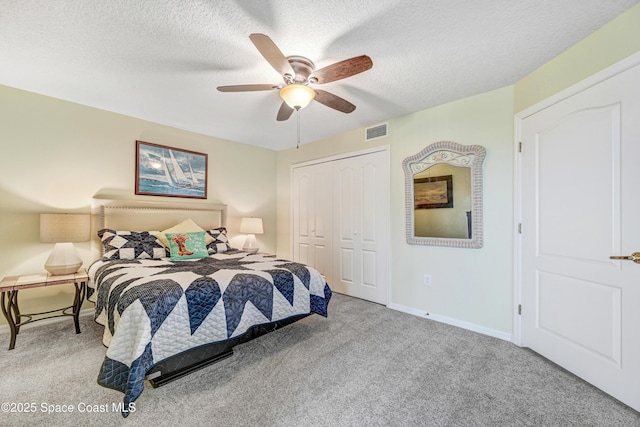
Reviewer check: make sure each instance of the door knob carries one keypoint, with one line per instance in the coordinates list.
(635, 257)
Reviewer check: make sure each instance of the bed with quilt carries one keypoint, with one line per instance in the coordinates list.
(166, 315)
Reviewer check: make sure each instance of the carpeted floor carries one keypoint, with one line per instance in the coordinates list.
(365, 365)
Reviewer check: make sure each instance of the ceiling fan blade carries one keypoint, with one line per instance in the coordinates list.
(272, 54)
(284, 112)
(334, 101)
(343, 69)
(247, 88)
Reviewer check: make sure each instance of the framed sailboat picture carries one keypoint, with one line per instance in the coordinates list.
(170, 172)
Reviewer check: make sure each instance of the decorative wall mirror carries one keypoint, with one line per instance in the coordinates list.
(443, 187)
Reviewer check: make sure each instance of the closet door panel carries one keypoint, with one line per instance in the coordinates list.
(369, 269)
(312, 217)
(361, 192)
(369, 195)
(346, 273)
(346, 213)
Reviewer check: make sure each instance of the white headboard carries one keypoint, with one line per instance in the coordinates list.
(135, 215)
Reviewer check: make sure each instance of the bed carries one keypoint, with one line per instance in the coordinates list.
(166, 317)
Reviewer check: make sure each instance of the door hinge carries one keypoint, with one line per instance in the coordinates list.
(519, 147)
(520, 228)
(519, 308)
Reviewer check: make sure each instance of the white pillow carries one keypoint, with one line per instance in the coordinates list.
(186, 226)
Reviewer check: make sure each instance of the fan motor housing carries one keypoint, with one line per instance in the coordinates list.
(303, 67)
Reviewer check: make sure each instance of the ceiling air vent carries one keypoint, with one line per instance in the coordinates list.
(375, 132)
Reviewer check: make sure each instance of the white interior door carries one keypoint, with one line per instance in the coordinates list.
(361, 226)
(312, 217)
(580, 205)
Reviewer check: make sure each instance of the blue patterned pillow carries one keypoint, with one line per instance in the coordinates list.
(187, 245)
(131, 245)
(220, 243)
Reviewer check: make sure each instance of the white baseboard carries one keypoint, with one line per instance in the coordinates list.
(4, 329)
(453, 322)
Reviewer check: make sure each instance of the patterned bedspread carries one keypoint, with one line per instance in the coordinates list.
(155, 308)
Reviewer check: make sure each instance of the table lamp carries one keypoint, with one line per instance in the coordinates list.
(64, 230)
(251, 227)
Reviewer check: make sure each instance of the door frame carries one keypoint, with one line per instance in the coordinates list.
(364, 152)
(609, 72)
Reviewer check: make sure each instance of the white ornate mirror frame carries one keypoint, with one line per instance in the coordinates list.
(452, 153)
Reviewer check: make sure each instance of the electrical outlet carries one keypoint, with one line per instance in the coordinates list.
(427, 280)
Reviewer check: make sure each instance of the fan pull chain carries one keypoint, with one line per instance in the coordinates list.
(298, 116)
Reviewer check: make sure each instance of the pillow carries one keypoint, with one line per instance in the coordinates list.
(220, 243)
(187, 245)
(185, 226)
(131, 245)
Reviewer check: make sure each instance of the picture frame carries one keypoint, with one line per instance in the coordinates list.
(170, 172)
(433, 192)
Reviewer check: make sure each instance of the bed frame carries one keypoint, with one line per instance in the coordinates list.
(191, 360)
(150, 215)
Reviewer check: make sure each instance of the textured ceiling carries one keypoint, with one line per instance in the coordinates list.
(161, 60)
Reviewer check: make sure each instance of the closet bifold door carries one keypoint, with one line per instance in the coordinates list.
(340, 217)
(360, 226)
(312, 217)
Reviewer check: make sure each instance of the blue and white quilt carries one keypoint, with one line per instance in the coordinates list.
(155, 308)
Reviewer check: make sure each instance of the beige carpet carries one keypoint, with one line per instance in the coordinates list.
(363, 366)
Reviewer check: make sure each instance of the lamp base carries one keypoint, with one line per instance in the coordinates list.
(58, 270)
(250, 244)
(64, 259)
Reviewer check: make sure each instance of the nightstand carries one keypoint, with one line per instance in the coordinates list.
(9, 287)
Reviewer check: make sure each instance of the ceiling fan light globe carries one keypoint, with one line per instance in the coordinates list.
(297, 96)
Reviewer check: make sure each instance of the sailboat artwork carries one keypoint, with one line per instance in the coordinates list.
(172, 172)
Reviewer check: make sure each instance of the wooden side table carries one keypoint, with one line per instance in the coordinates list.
(9, 287)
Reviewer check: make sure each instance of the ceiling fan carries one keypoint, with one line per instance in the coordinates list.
(298, 73)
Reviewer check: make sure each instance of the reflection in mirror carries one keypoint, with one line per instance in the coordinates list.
(449, 217)
(444, 195)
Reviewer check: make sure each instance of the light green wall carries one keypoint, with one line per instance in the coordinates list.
(613, 42)
(56, 155)
(468, 284)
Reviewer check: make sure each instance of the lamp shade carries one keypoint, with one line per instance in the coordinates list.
(297, 96)
(251, 226)
(64, 228)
